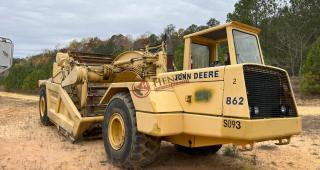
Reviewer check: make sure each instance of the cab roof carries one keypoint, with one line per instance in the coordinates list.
(220, 30)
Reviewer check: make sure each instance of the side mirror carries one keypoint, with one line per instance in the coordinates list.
(6, 54)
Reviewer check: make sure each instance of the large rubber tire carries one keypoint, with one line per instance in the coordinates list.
(137, 149)
(43, 107)
(199, 150)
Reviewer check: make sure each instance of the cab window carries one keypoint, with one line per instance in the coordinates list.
(223, 57)
(247, 48)
(200, 55)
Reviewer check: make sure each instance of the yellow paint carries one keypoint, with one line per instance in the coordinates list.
(234, 24)
(187, 54)
(234, 87)
(213, 127)
(116, 131)
(190, 89)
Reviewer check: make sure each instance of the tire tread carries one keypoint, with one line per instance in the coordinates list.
(144, 147)
(44, 119)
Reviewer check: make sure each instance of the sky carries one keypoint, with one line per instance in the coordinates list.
(36, 25)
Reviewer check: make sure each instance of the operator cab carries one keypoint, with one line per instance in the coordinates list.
(227, 44)
(6, 54)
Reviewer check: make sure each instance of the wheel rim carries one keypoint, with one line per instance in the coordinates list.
(116, 131)
(42, 106)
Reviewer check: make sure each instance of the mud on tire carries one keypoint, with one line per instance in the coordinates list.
(137, 149)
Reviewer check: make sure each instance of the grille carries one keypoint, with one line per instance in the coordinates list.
(268, 91)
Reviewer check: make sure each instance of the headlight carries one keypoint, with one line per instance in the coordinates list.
(256, 110)
(283, 109)
(286, 110)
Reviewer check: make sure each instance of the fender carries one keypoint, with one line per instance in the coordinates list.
(111, 92)
(154, 102)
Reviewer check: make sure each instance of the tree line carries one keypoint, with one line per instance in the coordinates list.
(289, 39)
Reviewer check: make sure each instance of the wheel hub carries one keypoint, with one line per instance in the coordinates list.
(42, 106)
(116, 131)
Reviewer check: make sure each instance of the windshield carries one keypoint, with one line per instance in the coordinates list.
(246, 46)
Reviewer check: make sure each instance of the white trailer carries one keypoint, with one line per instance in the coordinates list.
(6, 54)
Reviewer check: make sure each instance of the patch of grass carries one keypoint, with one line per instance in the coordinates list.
(231, 151)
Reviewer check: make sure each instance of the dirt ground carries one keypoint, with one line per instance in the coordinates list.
(26, 144)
